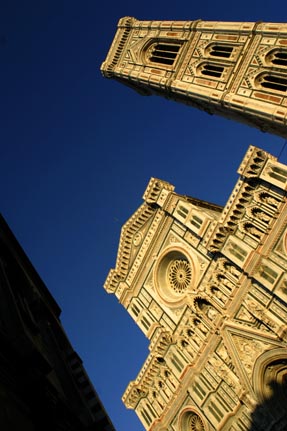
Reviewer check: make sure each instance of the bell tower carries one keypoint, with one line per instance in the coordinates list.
(234, 69)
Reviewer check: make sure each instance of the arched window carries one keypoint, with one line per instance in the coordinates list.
(217, 50)
(211, 69)
(272, 82)
(163, 52)
(277, 57)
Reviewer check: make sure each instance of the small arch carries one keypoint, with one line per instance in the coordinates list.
(162, 52)
(277, 57)
(211, 69)
(272, 81)
(219, 50)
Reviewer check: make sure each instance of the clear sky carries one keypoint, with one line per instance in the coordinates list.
(77, 151)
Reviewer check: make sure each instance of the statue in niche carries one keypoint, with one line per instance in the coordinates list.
(232, 269)
(269, 200)
(206, 308)
(218, 294)
(261, 215)
(225, 282)
(200, 326)
(249, 228)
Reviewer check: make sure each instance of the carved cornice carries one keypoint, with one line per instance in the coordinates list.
(254, 162)
(154, 189)
(150, 372)
(118, 46)
(127, 240)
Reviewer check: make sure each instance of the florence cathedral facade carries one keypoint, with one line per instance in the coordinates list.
(208, 284)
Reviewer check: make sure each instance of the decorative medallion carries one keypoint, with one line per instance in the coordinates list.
(137, 239)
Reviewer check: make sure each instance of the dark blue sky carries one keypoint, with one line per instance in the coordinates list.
(77, 151)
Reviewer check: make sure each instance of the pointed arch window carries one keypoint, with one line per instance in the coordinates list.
(211, 69)
(278, 57)
(272, 82)
(163, 52)
(219, 50)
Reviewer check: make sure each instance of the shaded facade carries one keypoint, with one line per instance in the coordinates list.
(43, 384)
(234, 69)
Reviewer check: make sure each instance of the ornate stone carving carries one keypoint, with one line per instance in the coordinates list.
(179, 275)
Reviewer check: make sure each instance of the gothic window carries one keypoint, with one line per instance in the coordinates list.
(217, 50)
(145, 322)
(196, 221)
(163, 52)
(146, 416)
(136, 310)
(278, 57)
(211, 69)
(182, 211)
(268, 274)
(150, 410)
(217, 413)
(272, 82)
(199, 390)
(237, 251)
(177, 363)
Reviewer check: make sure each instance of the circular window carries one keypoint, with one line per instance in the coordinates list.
(179, 275)
(173, 276)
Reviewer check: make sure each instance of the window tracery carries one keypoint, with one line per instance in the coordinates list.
(174, 276)
(277, 57)
(211, 69)
(219, 50)
(163, 52)
(272, 81)
(179, 275)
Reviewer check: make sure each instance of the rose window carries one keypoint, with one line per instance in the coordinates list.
(179, 275)
(174, 276)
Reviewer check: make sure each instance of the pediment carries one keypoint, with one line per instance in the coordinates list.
(244, 346)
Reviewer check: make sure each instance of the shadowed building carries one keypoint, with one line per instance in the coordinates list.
(234, 69)
(43, 384)
(207, 284)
